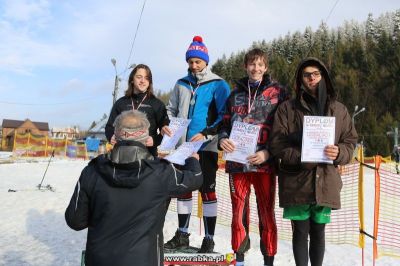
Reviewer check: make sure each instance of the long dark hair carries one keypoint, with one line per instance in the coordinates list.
(129, 92)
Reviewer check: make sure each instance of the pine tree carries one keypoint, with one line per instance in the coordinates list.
(396, 26)
(364, 63)
(370, 29)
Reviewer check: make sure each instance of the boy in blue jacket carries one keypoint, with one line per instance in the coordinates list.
(199, 96)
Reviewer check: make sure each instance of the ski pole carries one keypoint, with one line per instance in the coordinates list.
(40, 185)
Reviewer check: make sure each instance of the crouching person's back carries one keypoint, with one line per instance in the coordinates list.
(120, 197)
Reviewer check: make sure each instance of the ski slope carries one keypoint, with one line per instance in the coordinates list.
(33, 230)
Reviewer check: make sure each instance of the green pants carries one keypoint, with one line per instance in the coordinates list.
(318, 214)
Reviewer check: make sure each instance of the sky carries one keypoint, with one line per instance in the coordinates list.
(55, 56)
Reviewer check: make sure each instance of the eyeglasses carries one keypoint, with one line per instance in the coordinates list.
(315, 74)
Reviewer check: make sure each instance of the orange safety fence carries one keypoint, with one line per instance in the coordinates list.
(41, 146)
(371, 160)
(345, 225)
(59, 146)
(387, 210)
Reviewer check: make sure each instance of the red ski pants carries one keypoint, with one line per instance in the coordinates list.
(264, 187)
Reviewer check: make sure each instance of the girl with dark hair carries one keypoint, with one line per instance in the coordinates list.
(139, 96)
(140, 71)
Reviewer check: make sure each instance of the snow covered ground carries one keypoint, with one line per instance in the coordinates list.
(33, 230)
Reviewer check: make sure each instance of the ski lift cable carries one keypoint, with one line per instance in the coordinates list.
(326, 22)
(330, 13)
(312, 40)
(134, 39)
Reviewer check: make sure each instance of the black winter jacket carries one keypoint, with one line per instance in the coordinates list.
(154, 109)
(123, 204)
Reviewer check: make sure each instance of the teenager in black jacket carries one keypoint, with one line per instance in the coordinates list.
(120, 197)
(139, 96)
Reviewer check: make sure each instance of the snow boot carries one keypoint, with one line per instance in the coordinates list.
(207, 246)
(179, 241)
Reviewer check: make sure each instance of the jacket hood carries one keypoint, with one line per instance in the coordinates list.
(325, 80)
(201, 77)
(123, 165)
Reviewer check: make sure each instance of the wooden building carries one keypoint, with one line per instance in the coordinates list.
(11, 127)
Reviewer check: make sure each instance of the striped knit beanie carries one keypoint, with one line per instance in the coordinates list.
(197, 49)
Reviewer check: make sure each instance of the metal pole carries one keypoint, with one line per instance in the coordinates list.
(115, 93)
(41, 182)
(356, 113)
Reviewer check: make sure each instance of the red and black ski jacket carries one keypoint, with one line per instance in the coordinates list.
(263, 106)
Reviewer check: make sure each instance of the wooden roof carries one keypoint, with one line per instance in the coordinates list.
(9, 123)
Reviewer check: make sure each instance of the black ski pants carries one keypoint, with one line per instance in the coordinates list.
(301, 250)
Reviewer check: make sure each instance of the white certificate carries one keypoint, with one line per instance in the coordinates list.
(183, 152)
(318, 131)
(178, 127)
(245, 137)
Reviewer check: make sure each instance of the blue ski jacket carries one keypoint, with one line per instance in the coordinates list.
(200, 97)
